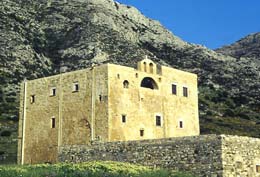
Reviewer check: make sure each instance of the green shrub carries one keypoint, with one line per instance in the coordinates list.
(6, 133)
(229, 112)
(88, 169)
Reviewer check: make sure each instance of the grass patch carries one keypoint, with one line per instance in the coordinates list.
(88, 169)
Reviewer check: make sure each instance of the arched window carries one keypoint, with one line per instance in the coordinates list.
(151, 67)
(148, 82)
(125, 84)
(144, 66)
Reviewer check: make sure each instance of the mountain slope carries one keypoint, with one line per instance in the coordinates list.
(247, 47)
(39, 38)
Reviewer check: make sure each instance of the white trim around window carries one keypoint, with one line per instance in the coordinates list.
(158, 123)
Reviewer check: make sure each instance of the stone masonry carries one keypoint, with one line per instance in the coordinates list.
(105, 103)
(205, 155)
(240, 156)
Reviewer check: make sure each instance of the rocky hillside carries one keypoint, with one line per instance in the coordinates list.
(41, 38)
(247, 47)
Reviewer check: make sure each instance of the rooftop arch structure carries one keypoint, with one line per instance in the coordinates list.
(147, 65)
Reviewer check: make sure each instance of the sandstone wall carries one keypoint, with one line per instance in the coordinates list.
(67, 117)
(240, 156)
(200, 155)
(142, 105)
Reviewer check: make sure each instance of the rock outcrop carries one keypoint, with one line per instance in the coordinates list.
(247, 47)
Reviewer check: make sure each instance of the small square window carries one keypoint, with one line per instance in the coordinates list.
(185, 91)
(174, 89)
(141, 132)
(181, 124)
(123, 118)
(75, 87)
(53, 122)
(158, 120)
(53, 91)
(32, 100)
(258, 168)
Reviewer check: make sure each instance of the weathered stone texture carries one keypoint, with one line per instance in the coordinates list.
(240, 155)
(200, 155)
(141, 105)
(71, 110)
(205, 155)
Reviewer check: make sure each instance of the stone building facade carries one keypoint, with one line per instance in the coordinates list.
(105, 103)
(205, 155)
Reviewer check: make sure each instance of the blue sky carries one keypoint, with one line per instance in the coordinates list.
(212, 23)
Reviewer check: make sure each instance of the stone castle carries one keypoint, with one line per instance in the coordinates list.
(105, 103)
(146, 115)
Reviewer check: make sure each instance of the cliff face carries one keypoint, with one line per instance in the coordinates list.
(39, 38)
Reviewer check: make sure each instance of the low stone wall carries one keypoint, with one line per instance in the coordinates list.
(205, 155)
(201, 155)
(240, 156)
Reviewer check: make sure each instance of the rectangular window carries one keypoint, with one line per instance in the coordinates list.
(185, 91)
(181, 124)
(53, 91)
(158, 120)
(123, 118)
(258, 168)
(53, 122)
(32, 100)
(174, 89)
(141, 132)
(75, 87)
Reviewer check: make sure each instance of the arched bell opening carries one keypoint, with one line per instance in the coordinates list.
(148, 82)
